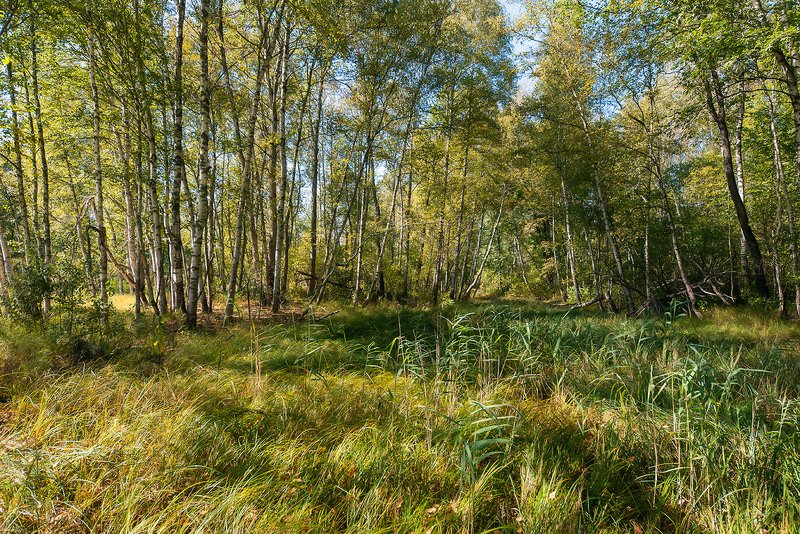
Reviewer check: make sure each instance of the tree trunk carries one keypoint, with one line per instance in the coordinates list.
(281, 227)
(362, 217)
(312, 268)
(46, 250)
(744, 267)
(407, 227)
(715, 101)
(178, 168)
(437, 274)
(245, 150)
(777, 247)
(6, 265)
(455, 279)
(601, 201)
(130, 217)
(596, 280)
(570, 238)
(36, 230)
(98, 177)
(211, 235)
(783, 189)
(205, 170)
(157, 256)
(18, 170)
(473, 285)
(562, 291)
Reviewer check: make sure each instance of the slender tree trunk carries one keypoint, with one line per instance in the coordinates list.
(277, 297)
(362, 217)
(272, 185)
(455, 279)
(178, 167)
(211, 237)
(144, 272)
(562, 291)
(737, 149)
(596, 280)
(98, 177)
(601, 201)
(521, 260)
(46, 247)
(6, 265)
(205, 170)
(476, 255)
(312, 269)
(407, 214)
(473, 285)
(18, 170)
(155, 215)
(81, 231)
(36, 230)
(437, 274)
(463, 277)
(647, 286)
(777, 247)
(256, 216)
(245, 151)
(677, 251)
(715, 101)
(783, 189)
(570, 238)
(130, 217)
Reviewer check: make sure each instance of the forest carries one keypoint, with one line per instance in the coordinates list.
(400, 266)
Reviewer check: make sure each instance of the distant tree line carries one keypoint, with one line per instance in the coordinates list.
(199, 154)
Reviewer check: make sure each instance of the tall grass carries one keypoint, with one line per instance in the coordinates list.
(485, 418)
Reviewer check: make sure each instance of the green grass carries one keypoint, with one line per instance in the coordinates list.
(494, 417)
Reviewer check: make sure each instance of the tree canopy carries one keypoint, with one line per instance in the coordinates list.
(205, 154)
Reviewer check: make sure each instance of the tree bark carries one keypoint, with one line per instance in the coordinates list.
(570, 238)
(744, 267)
(601, 201)
(280, 227)
(783, 190)
(245, 150)
(157, 254)
(205, 170)
(18, 170)
(473, 285)
(6, 265)
(46, 243)
(178, 167)
(98, 175)
(715, 101)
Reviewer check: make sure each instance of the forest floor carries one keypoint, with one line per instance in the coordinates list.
(508, 417)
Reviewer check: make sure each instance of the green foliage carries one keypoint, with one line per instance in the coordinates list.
(28, 290)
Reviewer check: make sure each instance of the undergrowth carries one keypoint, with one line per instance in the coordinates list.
(462, 419)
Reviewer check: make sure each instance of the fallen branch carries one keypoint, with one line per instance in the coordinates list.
(315, 319)
(586, 304)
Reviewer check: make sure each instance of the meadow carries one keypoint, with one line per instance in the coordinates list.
(493, 417)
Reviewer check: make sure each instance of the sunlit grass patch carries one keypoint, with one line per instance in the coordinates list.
(465, 419)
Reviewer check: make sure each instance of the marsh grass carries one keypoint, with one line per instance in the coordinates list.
(479, 418)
